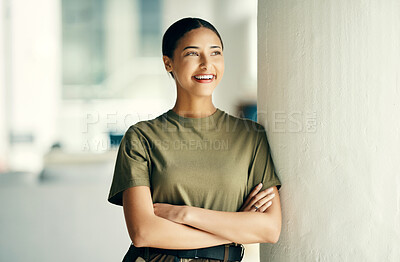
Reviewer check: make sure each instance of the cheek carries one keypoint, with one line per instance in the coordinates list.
(220, 64)
(221, 67)
(186, 70)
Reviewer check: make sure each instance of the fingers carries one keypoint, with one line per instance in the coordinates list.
(264, 207)
(254, 191)
(258, 201)
(251, 196)
(262, 200)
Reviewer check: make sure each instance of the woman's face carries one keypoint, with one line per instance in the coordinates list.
(198, 62)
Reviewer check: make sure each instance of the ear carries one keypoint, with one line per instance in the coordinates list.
(167, 63)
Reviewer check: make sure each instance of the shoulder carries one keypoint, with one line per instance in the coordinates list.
(144, 128)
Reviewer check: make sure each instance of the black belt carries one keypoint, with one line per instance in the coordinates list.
(235, 252)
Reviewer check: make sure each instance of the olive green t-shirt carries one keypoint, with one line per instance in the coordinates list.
(211, 162)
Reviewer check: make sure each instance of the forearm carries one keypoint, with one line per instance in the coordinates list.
(162, 233)
(238, 227)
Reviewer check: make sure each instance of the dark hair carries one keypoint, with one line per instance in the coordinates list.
(178, 29)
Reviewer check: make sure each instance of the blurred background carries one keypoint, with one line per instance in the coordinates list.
(74, 75)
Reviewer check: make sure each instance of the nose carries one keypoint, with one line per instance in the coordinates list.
(204, 63)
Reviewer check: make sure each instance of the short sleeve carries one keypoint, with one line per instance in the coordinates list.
(131, 166)
(262, 169)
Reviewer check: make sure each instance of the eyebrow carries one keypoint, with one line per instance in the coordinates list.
(196, 47)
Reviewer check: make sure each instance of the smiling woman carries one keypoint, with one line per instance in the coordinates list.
(195, 203)
(197, 63)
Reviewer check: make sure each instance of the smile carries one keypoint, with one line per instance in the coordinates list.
(204, 78)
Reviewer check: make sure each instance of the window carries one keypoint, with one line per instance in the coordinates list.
(109, 48)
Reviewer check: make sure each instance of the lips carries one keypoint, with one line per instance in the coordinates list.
(204, 78)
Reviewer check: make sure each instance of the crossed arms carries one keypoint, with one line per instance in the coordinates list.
(184, 227)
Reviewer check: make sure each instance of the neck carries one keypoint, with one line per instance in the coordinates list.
(195, 108)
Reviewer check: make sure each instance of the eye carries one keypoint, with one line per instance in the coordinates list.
(216, 53)
(191, 53)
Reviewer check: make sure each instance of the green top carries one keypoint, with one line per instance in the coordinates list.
(212, 162)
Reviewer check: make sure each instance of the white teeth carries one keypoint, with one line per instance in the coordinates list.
(204, 77)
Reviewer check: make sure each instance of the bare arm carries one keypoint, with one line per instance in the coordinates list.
(147, 229)
(239, 227)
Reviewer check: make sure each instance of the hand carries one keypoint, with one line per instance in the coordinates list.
(171, 212)
(262, 200)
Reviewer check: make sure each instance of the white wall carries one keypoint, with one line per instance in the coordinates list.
(341, 183)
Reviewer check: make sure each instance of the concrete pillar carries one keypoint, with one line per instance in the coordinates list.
(328, 94)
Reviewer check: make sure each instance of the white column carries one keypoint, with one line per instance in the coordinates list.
(328, 93)
(4, 82)
(34, 80)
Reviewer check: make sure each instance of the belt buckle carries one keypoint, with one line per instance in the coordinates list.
(241, 249)
(241, 252)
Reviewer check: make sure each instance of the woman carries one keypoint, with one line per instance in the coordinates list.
(190, 179)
